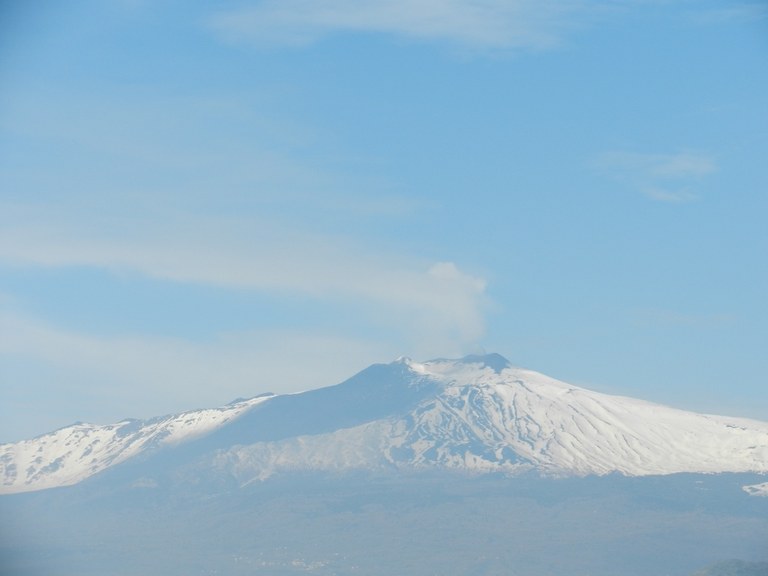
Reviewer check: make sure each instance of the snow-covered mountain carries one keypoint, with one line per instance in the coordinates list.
(478, 414)
(74, 453)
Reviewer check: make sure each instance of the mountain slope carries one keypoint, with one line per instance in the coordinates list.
(478, 414)
(74, 453)
(514, 420)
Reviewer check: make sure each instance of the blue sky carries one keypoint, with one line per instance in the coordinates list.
(201, 201)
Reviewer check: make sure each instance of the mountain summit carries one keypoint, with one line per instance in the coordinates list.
(477, 413)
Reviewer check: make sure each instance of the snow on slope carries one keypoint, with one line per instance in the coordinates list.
(72, 454)
(509, 419)
(757, 489)
(477, 414)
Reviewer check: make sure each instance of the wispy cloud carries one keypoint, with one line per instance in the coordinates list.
(118, 221)
(401, 305)
(496, 24)
(425, 302)
(662, 177)
(678, 196)
(136, 191)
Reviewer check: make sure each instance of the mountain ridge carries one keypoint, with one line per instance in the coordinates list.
(478, 413)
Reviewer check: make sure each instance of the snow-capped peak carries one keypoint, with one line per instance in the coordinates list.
(488, 416)
(478, 413)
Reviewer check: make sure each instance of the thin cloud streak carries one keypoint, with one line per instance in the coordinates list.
(662, 177)
(667, 195)
(435, 303)
(493, 24)
(681, 165)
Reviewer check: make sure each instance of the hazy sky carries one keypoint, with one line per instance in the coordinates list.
(206, 200)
